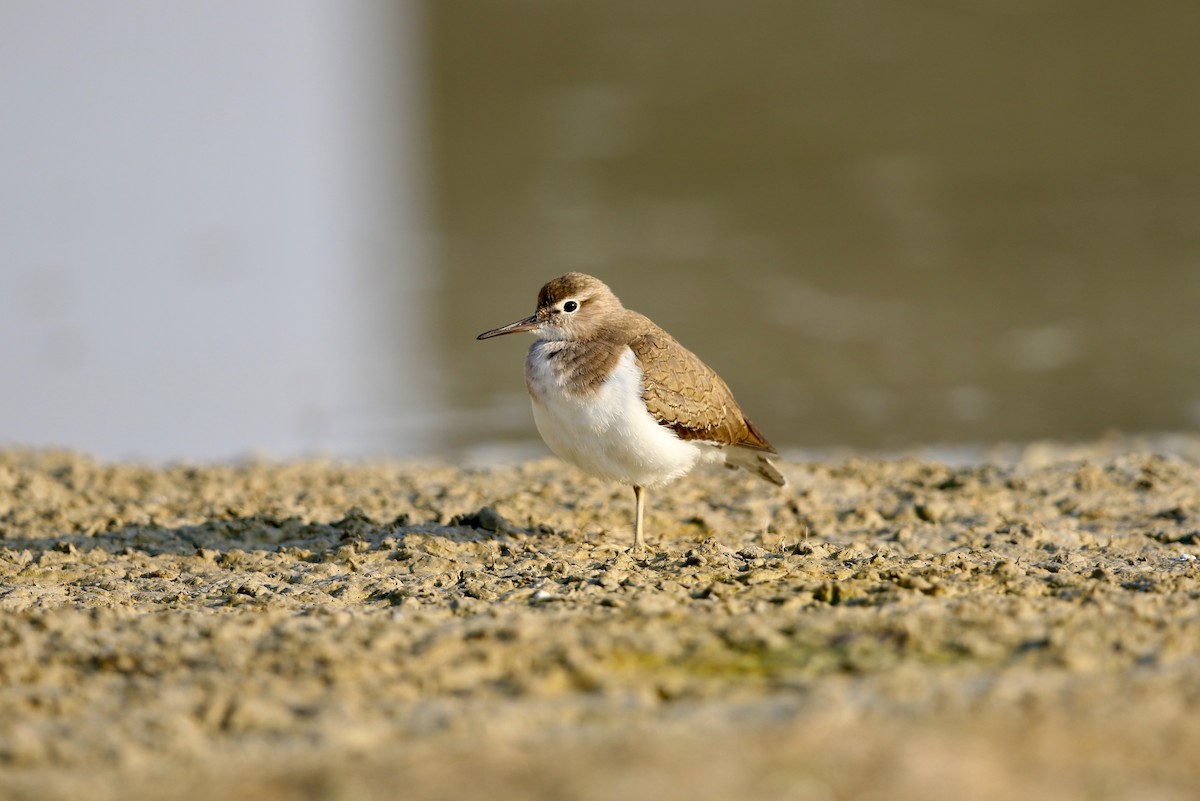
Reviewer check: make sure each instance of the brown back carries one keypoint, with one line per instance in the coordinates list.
(684, 393)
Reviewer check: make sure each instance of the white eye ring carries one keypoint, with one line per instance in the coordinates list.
(570, 306)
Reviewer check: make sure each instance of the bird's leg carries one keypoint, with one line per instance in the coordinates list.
(639, 498)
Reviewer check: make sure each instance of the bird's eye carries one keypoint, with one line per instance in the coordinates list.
(570, 306)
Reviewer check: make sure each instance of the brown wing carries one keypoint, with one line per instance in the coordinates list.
(684, 394)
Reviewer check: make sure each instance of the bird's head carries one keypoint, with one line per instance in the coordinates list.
(573, 306)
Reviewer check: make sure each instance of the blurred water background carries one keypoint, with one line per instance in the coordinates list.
(276, 227)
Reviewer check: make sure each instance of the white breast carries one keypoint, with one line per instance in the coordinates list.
(608, 432)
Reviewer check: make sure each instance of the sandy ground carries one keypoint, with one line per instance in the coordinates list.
(882, 629)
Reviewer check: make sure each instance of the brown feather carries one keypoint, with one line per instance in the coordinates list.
(685, 394)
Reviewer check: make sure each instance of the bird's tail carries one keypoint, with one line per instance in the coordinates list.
(756, 462)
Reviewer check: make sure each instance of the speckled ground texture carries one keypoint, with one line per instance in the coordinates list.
(1023, 627)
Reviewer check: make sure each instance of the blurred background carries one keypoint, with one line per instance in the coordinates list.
(276, 227)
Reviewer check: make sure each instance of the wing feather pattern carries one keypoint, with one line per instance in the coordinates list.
(684, 394)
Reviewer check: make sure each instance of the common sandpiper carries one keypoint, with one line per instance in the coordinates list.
(621, 399)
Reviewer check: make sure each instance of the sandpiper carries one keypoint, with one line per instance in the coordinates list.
(621, 399)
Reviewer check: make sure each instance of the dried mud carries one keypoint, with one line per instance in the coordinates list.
(880, 629)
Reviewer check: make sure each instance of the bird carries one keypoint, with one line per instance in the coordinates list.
(621, 399)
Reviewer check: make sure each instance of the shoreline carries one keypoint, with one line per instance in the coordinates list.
(900, 625)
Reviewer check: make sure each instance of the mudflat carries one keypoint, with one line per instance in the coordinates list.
(1026, 627)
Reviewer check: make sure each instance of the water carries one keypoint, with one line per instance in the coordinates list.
(278, 231)
(882, 224)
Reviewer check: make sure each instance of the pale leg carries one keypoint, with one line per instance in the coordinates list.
(639, 497)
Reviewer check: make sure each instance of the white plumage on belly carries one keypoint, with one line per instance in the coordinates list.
(607, 432)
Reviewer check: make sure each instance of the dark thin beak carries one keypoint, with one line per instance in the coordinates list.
(528, 324)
